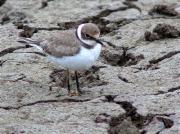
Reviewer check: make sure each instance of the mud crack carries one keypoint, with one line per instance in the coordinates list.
(124, 79)
(168, 55)
(97, 19)
(130, 4)
(137, 120)
(147, 67)
(173, 89)
(153, 64)
(29, 31)
(65, 100)
(131, 119)
(12, 78)
(10, 50)
(2, 62)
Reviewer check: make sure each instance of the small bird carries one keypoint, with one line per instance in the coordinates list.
(74, 50)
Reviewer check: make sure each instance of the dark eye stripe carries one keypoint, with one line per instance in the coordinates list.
(86, 36)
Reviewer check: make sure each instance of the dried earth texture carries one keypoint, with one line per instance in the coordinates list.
(134, 87)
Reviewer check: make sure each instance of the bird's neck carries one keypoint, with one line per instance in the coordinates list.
(85, 42)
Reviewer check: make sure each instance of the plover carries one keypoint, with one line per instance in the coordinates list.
(72, 49)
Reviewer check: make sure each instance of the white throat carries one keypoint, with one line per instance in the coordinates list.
(86, 41)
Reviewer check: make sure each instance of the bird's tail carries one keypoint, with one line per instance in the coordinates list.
(30, 42)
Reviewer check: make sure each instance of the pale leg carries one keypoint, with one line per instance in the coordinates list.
(77, 83)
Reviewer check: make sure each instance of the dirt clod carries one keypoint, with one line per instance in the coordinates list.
(162, 31)
(113, 56)
(120, 57)
(27, 31)
(2, 2)
(4, 19)
(166, 31)
(13, 17)
(124, 126)
(103, 118)
(44, 4)
(168, 123)
(149, 36)
(164, 10)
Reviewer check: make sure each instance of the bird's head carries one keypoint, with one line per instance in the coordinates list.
(90, 30)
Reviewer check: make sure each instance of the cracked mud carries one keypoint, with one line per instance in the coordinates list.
(133, 88)
(119, 56)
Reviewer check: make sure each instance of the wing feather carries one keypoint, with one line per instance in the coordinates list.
(61, 44)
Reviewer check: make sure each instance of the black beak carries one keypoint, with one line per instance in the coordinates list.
(100, 41)
(109, 43)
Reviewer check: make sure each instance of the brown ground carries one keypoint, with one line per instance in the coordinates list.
(133, 88)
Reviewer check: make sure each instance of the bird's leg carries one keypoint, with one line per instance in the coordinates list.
(68, 82)
(75, 92)
(77, 83)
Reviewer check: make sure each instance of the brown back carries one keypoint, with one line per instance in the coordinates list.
(63, 43)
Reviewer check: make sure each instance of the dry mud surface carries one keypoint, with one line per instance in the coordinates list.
(134, 87)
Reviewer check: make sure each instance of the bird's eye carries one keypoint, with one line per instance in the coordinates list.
(87, 36)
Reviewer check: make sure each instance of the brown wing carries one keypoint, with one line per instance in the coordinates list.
(61, 44)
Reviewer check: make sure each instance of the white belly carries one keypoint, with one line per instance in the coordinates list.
(82, 61)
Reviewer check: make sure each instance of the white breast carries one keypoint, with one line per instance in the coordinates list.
(81, 61)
